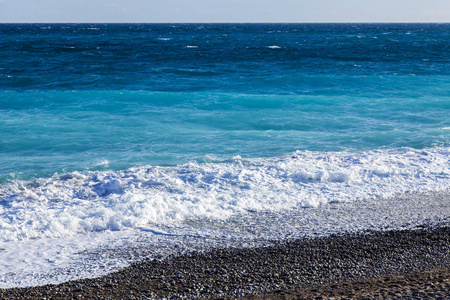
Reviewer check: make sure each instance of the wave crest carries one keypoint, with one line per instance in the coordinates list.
(77, 203)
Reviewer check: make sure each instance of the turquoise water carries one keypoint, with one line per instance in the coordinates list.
(117, 137)
(103, 96)
(59, 131)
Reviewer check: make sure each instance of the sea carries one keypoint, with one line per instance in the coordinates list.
(125, 142)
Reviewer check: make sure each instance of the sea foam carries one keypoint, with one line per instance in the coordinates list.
(79, 203)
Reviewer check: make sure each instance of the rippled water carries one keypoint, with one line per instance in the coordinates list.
(169, 133)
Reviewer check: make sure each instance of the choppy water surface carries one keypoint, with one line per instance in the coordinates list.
(115, 136)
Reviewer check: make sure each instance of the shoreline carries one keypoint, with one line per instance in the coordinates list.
(373, 262)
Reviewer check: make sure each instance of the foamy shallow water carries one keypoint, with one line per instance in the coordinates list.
(96, 136)
(79, 225)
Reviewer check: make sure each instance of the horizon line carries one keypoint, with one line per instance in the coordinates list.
(350, 22)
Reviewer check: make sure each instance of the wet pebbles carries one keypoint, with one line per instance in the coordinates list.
(409, 264)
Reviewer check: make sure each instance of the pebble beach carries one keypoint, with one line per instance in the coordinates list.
(224, 161)
(395, 264)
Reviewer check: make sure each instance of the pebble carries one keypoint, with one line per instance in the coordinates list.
(384, 264)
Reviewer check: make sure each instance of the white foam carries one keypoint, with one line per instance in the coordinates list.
(46, 261)
(75, 225)
(274, 47)
(78, 203)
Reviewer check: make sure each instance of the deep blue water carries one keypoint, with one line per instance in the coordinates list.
(111, 96)
(121, 138)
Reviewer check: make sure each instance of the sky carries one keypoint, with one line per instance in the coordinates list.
(223, 11)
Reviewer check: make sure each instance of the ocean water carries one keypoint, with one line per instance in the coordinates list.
(119, 141)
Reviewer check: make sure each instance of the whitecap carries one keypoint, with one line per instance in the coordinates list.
(79, 203)
(84, 224)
